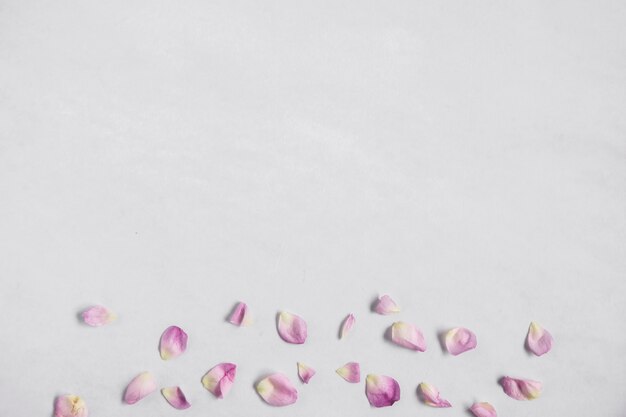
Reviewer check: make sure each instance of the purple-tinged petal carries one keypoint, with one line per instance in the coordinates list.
(459, 340)
(240, 315)
(430, 396)
(141, 386)
(292, 328)
(408, 336)
(305, 372)
(538, 340)
(386, 305)
(219, 380)
(176, 398)
(351, 372)
(483, 410)
(173, 343)
(381, 391)
(521, 389)
(97, 316)
(70, 406)
(347, 325)
(277, 390)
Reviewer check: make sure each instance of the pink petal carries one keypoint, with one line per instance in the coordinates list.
(305, 372)
(292, 328)
(142, 385)
(460, 340)
(351, 372)
(521, 389)
(386, 305)
(408, 336)
(483, 410)
(277, 390)
(173, 342)
(538, 340)
(219, 380)
(70, 406)
(381, 391)
(347, 325)
(175, 397)
(430, 396)
(97, 316)
(240, 316)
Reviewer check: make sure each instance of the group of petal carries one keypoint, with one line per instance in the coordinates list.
(277, 390)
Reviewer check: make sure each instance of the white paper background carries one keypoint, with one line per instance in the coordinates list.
(168, 158)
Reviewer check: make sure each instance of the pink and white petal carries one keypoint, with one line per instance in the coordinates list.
(141, 386)
(459, 340)
(381, 391)
(305, 372)
(173, 343)
(347, 325)
(408, 336)
(70, 406)
(521, 389)
(483, 410)
(386, 305)
(430, 395)
(292, 328)
(539, 340)
(220, 379)
(351, 372)
(277, 390)
(240, 315)
(97, 316)
(176, 398)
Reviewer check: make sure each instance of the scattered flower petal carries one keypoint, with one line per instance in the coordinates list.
(305, 372)
(408, 336)
(521, 389)
(97, 316)
(176, 398)
(386, 305)
(292, 328)
(351, 372)
(381, 391)
(483, 410)
(219, 380)
(539, 340)
(70, 406)
(430, 396)
(240, 315)
(347, 325)
(277, 390)
(459, 340)
(141, 386)
(173, 342)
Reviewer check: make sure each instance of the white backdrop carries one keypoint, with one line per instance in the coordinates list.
(168, 158)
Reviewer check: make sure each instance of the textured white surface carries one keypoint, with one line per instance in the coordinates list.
(168, 158)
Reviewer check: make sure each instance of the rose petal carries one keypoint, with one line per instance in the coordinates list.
(277, 390)
(70, 406)
(351, 372)
(219, 380)
(97, 316)
(240, 316)
(347, 325)
(459, 340)
(176, 398)
(408, 336)
(292, 328)
(430, 396)
(173, 342)
(483, 410)
(521, 389)
(305, 372)
(386, 305)
(381, 391)
(538, 340)
(142, 385)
